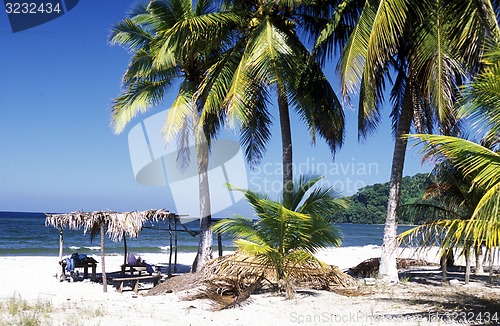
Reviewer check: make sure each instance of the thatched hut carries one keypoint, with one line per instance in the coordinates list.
(116, 225)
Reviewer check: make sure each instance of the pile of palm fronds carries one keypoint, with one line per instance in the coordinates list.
(229, 292)
(312, 272)
(230, 280)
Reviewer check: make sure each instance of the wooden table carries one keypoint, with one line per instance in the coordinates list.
(85, 264)
(132, 269)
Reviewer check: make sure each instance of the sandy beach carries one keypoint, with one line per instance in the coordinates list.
(31, 280)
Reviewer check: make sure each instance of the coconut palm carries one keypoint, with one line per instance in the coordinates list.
(480, 163)
(472, 159)
(166, 51)
(449, 196)
(287, 233)
(268, 57)
(426, 49)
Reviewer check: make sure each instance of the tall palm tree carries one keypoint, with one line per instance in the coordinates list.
(427, 49)
(287, 233)
(480, 163)
(172, 41)
(269, 56)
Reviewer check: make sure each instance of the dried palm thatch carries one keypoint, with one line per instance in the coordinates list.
(313, 272)
(117, 224)
(228, 293)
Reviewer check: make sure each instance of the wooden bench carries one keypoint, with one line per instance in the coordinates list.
(118, 281)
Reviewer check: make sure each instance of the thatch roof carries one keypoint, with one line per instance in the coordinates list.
(117, 224)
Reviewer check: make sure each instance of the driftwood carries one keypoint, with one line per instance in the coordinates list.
(369, 267)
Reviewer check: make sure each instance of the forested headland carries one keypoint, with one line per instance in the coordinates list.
(369, 204)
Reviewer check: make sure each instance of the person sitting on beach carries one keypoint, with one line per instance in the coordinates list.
(133, 261)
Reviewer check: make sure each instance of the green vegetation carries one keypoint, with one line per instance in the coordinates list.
(369, 204)
(422, 52)
(17, 311)
(478, 163)
(288, 233)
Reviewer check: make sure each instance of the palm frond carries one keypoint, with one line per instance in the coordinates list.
(180, 111)
(129, 34)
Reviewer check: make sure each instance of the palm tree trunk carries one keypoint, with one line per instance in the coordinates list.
(206, 239)
(479, 260)
(467, 264)
(286, 143)
(490, 265)
(388, 271)
(444, 267)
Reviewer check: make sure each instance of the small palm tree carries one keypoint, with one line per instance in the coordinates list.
(287, 234)
(448, 196)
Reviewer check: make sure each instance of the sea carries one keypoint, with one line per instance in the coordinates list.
(25, 234)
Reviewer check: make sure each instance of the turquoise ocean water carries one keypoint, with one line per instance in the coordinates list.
(23, 234)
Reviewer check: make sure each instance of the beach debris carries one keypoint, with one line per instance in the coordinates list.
(369, 267)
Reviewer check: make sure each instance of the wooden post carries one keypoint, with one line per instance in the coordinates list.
(170, 251)
(104, 280)
(61, 243)
(125, 245)
(175, 243)
(61, 271)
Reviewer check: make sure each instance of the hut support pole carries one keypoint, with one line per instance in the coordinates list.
(61, 272)
(103, 265)
(125, 246)
(175, 244)
(61, 243)
(170, 251)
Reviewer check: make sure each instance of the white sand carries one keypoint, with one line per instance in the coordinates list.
(84, 303)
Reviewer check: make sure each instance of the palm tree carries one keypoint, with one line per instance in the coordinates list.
(484, 164)
(268, 55)
(427, 48)
(480, 163)
(449, 196)
(165, 50)
(287, 233)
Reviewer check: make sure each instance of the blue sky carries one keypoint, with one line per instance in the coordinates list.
(59, 154)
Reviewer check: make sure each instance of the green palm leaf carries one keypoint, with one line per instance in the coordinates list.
(285, 235)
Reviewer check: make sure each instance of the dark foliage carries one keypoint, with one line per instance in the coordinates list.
(369, 204)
